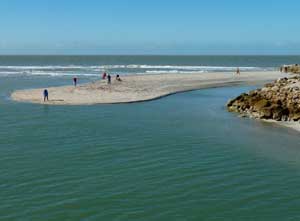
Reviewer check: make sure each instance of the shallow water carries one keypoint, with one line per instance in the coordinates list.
(183, 157)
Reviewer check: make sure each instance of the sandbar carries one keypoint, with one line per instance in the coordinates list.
(137, 88)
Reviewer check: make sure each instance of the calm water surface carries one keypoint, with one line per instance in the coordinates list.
(179, 158)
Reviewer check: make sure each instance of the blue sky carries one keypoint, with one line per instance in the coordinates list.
(149, 27)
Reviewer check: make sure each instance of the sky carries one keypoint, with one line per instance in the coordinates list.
(259, 27)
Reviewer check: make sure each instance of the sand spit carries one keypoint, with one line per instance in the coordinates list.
(136, 88)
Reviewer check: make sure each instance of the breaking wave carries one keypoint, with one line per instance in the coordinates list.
(71, 70)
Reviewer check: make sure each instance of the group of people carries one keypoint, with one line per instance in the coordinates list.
(104, 76)
(75, 79)
(295, 68)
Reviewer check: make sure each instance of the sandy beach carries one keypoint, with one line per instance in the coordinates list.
(136, 88)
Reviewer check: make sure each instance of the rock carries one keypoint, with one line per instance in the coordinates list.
(278, 101)
(296, 117)
(261, 104)
(275, 88)
(269, 85)
(253, 93)
(265, 113)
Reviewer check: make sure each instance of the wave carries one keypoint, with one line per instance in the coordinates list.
(174, 72)
(130, 66)
(194, 67)
(69, 67)
(57, 74)
(95, 70)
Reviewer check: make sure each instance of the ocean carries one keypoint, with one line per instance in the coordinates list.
(92, 66)
(183, 157)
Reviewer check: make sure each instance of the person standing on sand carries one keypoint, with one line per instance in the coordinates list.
(109, 79)
(104, 76)
(238, 72)
(286, 69)
(46, 95)
(75, 81)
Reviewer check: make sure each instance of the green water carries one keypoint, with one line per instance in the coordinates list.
(179, 158)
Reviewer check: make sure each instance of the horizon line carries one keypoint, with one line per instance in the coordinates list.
(174, 55)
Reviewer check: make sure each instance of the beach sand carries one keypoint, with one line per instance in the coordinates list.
(136, 88)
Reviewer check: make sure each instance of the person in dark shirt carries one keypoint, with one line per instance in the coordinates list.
(46, 95)
(108, 79)
(75, 81)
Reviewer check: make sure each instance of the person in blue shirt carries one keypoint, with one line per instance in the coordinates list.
(46, 95)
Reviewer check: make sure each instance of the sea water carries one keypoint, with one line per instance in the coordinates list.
(183, 157)
(93, 66)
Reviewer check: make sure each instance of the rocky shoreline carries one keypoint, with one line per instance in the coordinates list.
(279, 101)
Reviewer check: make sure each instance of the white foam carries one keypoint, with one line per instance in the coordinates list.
(174, 72)
(94, 70)
(131, 66)
(54, 74)
(193, 67)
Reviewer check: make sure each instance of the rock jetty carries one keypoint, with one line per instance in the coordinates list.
(278, 101)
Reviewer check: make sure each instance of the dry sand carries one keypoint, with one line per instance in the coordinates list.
(135, 88)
